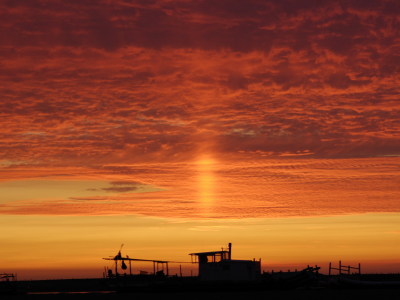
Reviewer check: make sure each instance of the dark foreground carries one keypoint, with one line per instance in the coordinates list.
(320, 294)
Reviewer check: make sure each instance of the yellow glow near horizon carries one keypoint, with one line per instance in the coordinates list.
(280, 212)
(63, 243)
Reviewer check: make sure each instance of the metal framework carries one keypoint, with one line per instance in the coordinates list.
(344, 268)
(8, 276)
(156, 263)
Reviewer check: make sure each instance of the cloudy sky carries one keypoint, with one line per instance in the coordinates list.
(226, 109)
(89, 82)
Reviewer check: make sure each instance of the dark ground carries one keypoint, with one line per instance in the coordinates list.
(320, 294)
(91, 289)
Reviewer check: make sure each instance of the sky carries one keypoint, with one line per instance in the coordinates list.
(171, 126)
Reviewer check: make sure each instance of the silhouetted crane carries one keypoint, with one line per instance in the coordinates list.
(118, 256)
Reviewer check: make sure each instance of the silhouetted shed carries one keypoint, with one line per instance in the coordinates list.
(218, 265)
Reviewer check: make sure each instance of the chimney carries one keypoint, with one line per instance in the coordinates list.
(230, 251)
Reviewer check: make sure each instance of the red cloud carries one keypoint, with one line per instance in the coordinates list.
(248, 189)
(93, 82)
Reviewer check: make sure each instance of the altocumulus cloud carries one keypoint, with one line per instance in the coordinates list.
(130, 81)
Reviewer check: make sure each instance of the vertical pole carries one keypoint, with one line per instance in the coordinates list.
(167, 269)
(154, 268)
(116, 267)
(180, 269)
(230, 251)
(340, 267)
(130, 268)
(330, 269)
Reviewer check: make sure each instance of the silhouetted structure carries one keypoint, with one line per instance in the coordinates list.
(344, 268)
(119, 260)
(219, 265)
(8, 285)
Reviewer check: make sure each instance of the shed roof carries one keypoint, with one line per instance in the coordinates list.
(209, 253)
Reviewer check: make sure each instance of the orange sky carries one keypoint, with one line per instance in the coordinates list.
(202, 111)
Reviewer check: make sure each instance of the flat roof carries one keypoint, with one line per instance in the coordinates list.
(209, 253)
(236, 260)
